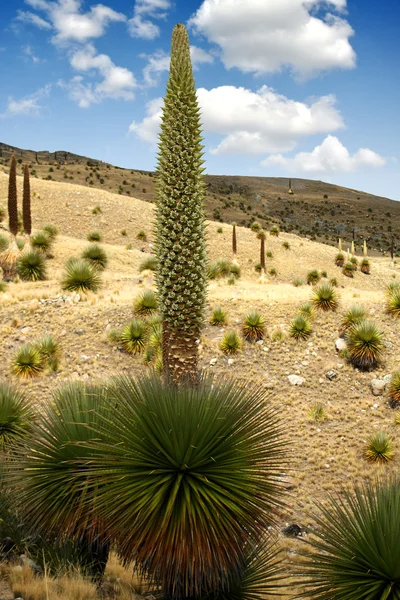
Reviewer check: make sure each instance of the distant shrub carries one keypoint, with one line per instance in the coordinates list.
(307, 310)
(324, 274)
(80, 276)
(339, 260)
(51, 230)
(41, 241)
(31, 266)
(325, 297)
(142, 236)
(269, 254)
(394, 390)
(255, 226)
(27, 362)
(4, 242)
(286, 245)
(379, 448)
(133, 336)
(123, 232)
(348, 269)
(219, 230)
(393, 301)
(274, 231)
(49, 350)
(96, 256)
(317, 412)
(333, 281)
(149, 264)
(231, 343)
(218, 316)
(365, 345)
(277, 335)
(146, 303)
(235, 271)
(273, 272)
(365, 266)
(219, 268)
(94, 236)
(3, 287)
(313, 277)
(97, 209)
(354, 262)
(297, 282)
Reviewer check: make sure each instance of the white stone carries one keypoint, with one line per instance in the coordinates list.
(340, 344)
(213, 361)
(296, 380)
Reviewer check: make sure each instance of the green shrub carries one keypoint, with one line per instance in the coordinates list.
(49, 350)
(379, 448)
(393, 302)
(133, 336)
(300, 328)
(317, 412)
(4, 242)
(235, 271)
(348, 269)
(27, 362)
(94, 236)
(219, 230)
(278, 335)
(253, 326)
(218, 316)
(324, 274)
(273, 272)
(3, 287)
(365, 266)
(16, 416)
(274, 231)
(96, 256)
(149, 264)
(269, 254)
(31, 266)
(97, 209)
(307, 310)
(146, 303)
(142, 236)
(354, 315)
(394, 390)
(257, 268)
(51, 230)
(354, 262)
(231, 343)
(365, 345)
(255, 226)
(333, 281)
(41, 241)
(313, 277)
(80, 276)
(220, 268)
(123, 232)
(339, 260)
(286, 245)
(354, 549)
(325, 297)
(20, 243)
(297, 282)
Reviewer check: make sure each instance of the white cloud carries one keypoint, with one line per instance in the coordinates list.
(68, 21)
(28, 105)
(265, 36)
(331, 156)
(250, 122)
(117, 82)
(29, 17)
(158, 63)
(143, 28)
(27, 50)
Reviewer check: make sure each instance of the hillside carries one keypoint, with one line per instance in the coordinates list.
(317, 210)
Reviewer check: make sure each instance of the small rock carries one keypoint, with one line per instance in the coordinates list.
(24, 560)
(378, 386)
(340, 344)
(292, 531)
(230, 361)
(269, 385)
(85, 357)
(296, 380)
(213, 361)
(68, 302)
(331, 374)
(33, 305)
(77, 298)
(79, 331)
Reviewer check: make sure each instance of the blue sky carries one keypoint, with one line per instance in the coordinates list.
(296, 88)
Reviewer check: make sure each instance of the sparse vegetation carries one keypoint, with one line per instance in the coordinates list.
(286, 245)
(94, 236)
(307, 310)
(339, 260)
(4, 242)
(317, 412)
(142, 236)
(51, 230)
(96, 256)
(274, 231)
(218, 316)
(298, 282)
(313, 277)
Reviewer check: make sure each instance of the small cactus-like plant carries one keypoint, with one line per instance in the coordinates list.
(254, 326)
(365, 345)
(348, 269)
(133, 336)
(255, 226)
(94, 236)
(231, 343)
(393, 301)
(365, 266)
(146, 303)
(274, 231)
(96, 256)
(142, 236)
(339, 260)
(354, 262)
(41, 241)
(27, 362)
(325, 297)
(394, 390)
(313, 277)
(300, 328)
(31, 266)
(379, 448)
(354, 315)
(80, 276)
(149, 264)
(286, 245)
(218, 316)
(307, 310)
(273, 272)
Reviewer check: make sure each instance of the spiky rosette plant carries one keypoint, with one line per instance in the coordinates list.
(16, 416)
(146, 303)
(339, 260)
(12, 198)
(196, 471)
(348, 269)
(394, 390)
(133, 336)
(80, 276)
(231, 343)
(325, 297)
(354, 553)
(31, 266)
(180, 233)
(52, 469)
(365, 345)
(393, 301)
(253, 326)
(300, 328)
(42, 241)
(27, 362)
(365, 266)
(26, 203)
(379, 448)
(218, 316)
(96, 256)
(306, 310)
(354, 315)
